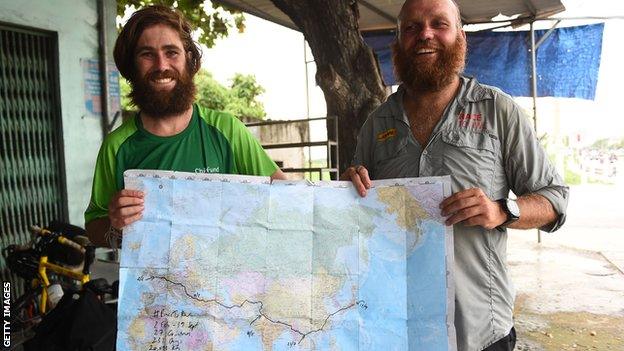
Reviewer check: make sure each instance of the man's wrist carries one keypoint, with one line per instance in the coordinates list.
(511, 210)
(113, 237)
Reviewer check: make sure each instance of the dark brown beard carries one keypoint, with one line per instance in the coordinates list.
(429, 77)
(160, 103)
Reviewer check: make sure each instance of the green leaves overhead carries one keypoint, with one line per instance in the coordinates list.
(211, 20)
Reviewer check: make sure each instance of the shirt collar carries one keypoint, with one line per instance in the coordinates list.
(470, 91)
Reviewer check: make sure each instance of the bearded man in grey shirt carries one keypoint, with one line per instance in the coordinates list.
(442, 123)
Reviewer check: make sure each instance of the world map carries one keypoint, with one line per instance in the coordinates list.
(223, 262)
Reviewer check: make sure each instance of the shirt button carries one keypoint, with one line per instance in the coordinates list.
(424, 152)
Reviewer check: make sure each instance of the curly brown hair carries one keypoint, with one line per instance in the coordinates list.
(142, 19)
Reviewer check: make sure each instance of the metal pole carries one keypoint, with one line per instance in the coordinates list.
(307, 95)
(534, 92)
(103, 53)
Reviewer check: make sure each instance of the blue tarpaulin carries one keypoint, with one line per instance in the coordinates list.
(567, 61)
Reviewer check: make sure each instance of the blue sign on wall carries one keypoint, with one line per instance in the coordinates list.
(93, 88)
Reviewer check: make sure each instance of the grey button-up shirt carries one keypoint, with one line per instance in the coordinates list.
(482, 140)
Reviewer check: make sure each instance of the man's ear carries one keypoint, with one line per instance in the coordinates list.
(189, 55)
(190, 59)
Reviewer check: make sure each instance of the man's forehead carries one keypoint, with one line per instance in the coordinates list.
(159, 35)
(416, 8)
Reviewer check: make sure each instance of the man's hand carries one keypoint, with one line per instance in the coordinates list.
(472, 207)
(125, 207)
(359, 176)
(278, 175)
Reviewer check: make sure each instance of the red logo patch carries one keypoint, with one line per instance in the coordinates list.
(470, 120)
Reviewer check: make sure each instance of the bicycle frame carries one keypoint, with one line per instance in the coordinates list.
(44, 266)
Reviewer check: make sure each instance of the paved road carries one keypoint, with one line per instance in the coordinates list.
(586, 256)
(595, 222)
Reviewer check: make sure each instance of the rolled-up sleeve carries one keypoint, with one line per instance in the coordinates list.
(528, 169)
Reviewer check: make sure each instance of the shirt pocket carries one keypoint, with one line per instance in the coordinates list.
(471, 158)
(388, 157)
(389, 149)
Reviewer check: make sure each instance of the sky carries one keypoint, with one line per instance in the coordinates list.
(275, 55)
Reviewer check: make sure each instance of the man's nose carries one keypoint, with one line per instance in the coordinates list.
(426, 33)
(162, 63)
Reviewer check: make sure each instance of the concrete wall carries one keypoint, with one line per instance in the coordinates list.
(75, 23)
(285, 133)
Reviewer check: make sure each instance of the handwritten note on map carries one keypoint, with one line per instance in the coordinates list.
(236, 263)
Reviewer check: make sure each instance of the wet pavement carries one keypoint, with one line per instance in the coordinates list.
(562, 279)
(570, 287)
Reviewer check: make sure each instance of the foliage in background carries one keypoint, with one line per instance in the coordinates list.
(239, 99)
(604, 144)
(212, 21)
(570, 176)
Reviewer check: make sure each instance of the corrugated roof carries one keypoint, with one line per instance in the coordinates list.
(381, 14)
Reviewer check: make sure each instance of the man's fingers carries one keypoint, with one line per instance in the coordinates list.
(129, 211)
(125, 216)
(460, 204)
(124, 201)
(463, 215)
(120, 223)
(126, 197)
(132, 219)
(346, 175)
(358, 175)
(357, 183)
(471, 208)
(130, 193)
(125, 207)
(364, 177)
(461, 195)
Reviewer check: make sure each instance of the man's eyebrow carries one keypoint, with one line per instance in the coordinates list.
(172, 47)
(164, 47)
(143, 48)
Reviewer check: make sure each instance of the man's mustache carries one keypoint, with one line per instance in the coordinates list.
(415, 49)
(162, 75)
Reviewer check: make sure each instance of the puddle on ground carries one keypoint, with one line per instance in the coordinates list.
(567, 330)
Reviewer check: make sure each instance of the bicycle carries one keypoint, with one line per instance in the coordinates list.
(59, 256)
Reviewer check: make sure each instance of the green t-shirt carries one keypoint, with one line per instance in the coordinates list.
(213, 142)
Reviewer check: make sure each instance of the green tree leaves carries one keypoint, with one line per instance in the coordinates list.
(211, 21)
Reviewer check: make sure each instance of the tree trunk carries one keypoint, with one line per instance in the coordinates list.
(347, 70)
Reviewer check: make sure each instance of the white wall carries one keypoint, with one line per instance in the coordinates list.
(75, 23)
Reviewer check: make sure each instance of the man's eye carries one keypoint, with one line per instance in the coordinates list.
(146, 54)
(410, 28)
(172, 53)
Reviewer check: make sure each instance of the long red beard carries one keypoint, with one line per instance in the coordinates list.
(432, 76)
(160, 103)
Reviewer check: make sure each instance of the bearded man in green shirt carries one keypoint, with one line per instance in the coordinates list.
(156, 53)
